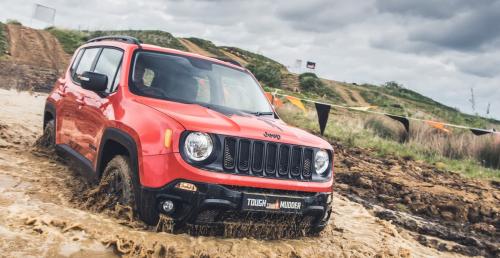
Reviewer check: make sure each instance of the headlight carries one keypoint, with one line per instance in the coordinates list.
(321, 162)
(198, 146)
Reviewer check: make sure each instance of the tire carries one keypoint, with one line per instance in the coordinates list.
(118, 183)
(48, 139)
(147, 208)
(127, 190)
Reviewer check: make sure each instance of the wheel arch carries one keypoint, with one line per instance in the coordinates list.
(117, 142)
(49, 113)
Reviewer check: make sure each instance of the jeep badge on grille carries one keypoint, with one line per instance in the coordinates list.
(272, 135)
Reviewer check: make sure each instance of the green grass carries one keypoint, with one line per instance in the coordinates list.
(352, 133)
(266, 74)
(155, 37)
(409, 102)
(253, 57)
(207, 45)
(4, 45)
(69, 39)
(382, 101)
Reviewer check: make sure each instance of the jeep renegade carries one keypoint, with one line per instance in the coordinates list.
(189, 136)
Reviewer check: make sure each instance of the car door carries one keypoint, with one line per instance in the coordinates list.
(72, 99)
(97, 109)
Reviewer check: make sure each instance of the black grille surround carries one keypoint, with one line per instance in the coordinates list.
(267, 159)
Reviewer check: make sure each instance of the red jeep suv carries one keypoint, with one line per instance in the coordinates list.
(189, 136)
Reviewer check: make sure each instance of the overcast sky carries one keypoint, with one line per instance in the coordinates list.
(440, 48)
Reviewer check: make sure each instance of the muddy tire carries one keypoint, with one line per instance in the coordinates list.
(124, 186)
(117, 182)
(48, 139)
(148, 211)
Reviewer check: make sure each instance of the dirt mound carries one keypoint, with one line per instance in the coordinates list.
(35, 60)
(35, 47)
(464, 210)
(193, 48)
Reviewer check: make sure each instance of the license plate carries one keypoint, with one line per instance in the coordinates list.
(257, 202)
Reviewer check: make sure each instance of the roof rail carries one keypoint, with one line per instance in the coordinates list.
(127, 39)
(229, 60)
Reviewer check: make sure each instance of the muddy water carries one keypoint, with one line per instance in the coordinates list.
(41, 214)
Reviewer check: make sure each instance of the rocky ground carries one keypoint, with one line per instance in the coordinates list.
(443, 204)
(43, 214)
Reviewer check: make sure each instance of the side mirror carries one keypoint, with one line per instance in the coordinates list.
(94, 81)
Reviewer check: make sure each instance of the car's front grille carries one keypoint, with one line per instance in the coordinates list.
(268, 159)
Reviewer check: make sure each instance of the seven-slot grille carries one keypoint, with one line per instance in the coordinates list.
(268, 159)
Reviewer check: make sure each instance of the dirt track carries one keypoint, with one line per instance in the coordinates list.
(35, 60)
(35, 47)
(40, 212)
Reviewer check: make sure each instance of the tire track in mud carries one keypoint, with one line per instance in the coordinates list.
(42, 214)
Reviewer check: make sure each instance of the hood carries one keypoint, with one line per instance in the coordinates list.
(198, 118)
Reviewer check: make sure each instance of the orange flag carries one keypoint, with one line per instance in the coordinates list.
(275, 101)
(296, 102)
(269, 96)
(438, 125)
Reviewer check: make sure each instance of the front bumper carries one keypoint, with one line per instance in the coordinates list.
(213, 203)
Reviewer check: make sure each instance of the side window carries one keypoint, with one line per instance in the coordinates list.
(108, 64)
(76, 60)
(85, 63)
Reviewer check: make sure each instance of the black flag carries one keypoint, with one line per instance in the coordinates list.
(323, 112)
(404, 121)
(479, 132)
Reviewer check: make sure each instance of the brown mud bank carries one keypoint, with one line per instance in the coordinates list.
(444, 204)
(46, 211)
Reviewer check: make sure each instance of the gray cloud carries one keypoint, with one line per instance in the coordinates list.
(471, 30)
(435, 9)
(323, 15)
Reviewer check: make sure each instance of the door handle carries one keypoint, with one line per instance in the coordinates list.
(62, 90)
(80, 101)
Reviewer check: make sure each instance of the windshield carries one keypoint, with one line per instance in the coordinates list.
(193, 80)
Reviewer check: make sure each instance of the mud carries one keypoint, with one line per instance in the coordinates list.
(46, 211)
(462, 210)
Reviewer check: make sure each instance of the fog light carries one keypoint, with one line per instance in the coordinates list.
(186, 186)
(167, 206)
(329, 199)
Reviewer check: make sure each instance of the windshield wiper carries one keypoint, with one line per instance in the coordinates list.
(262, 113)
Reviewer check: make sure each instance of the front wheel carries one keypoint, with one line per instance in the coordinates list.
(122, 186)
(48, 139)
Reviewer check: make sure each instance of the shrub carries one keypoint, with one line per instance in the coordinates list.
(267, 74)
(14, 22)
(311, 84)
(386, 129)
(305, 75)
(3, 40)
(489, 154)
